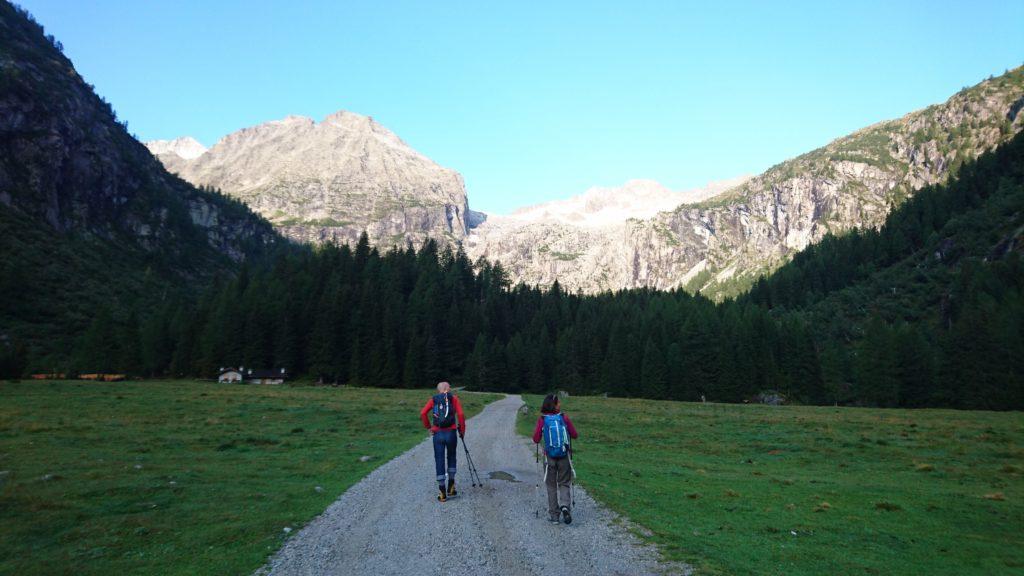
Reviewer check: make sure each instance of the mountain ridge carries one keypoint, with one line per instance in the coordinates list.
(331, 180)
(714, 243)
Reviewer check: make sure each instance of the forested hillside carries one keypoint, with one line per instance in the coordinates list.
(87, 215)
(933, 301)
(928, 311)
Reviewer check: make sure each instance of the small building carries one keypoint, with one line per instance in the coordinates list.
(100, 377)
(50, 376)
(229, 376)
(252, 376)
(266, 376)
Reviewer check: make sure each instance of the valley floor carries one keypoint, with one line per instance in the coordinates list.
(744, 489)
(181, 477)
(199, 478)
(391, 524)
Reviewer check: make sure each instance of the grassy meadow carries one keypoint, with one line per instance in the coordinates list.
(740, 489)
(182, 477)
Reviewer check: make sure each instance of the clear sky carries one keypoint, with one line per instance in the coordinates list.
(533, 101)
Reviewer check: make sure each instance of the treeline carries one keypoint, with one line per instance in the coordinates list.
(413, 317)
(407, 318)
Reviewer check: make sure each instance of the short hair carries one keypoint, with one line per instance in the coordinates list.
(443, 386)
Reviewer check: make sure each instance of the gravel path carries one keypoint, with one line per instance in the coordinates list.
(390, 523)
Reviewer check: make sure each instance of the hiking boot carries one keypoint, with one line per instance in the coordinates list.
(441, 496)
(554, 519)
(451, 488)
(566, 516)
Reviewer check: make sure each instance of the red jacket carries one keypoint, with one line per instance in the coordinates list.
(460, 417)
(539, 429)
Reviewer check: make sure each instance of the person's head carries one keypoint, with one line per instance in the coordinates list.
(551, 403)
(443, 387)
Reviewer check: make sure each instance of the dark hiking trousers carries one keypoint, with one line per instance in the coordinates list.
(557, 477)
(445, 441)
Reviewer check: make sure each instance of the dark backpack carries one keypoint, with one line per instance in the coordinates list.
(444, 412)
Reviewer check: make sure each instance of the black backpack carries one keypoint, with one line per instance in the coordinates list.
(444, 413)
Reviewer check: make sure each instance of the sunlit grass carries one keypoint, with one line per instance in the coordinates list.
(182, 477)
(736, 489)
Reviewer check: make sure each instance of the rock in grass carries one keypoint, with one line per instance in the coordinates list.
(287, 529)
(319, 488)
(995, 496)
(365, 458)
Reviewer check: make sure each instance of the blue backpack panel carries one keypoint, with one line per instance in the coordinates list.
(556, 437)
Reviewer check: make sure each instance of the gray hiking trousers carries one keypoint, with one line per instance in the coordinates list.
(557, 478)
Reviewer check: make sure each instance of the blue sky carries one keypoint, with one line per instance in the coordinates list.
(533, 101)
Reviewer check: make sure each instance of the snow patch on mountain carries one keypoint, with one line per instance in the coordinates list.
(186, 147)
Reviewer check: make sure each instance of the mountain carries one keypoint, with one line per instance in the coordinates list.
(578, 241)
(932, 301)
(722, 245)
(330, 180)
(187, 148)
(927, 310)
(88, 218)
(637, 199)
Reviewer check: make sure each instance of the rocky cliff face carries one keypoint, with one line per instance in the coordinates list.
(330, 180)
(579, 241)
(66, 162)
(720, 244)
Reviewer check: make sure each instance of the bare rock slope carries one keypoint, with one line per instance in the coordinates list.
(330, 180)
(722, 245)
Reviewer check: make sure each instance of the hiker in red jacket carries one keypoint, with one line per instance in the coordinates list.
(555, 428)
(446, 411)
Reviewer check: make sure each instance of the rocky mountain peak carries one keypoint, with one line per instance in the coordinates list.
(185, 147)
(330, 180)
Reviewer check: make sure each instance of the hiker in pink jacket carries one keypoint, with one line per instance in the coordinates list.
(555, 429)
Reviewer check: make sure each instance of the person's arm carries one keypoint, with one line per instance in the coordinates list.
(423, 413)
(460, 415)
(570, 427)
(538, 429)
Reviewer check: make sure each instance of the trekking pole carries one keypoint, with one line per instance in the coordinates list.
(572, 483)
(536, 484)
(472, 467)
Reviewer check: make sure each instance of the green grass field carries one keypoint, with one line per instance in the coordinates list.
(736, 489)
(182, 477)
